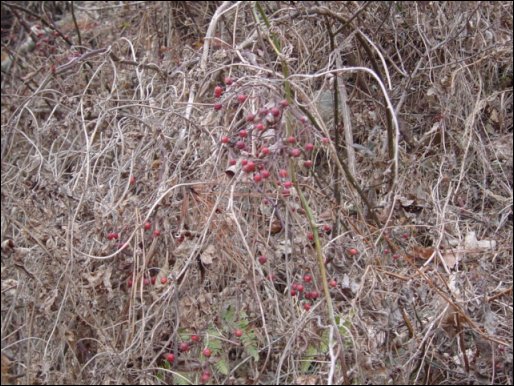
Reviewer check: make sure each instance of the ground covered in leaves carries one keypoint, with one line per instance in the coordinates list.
(183, 200)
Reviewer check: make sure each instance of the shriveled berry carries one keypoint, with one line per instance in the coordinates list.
(327, 228)
(232, 162)
(132, 180)
(286, 192)
(153, 280)
(310, 236)
(275, 111)
(228, 80)
(250, 117)
(284, 103)
(184, 347)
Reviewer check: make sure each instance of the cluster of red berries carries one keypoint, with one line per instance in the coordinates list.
(262, 120)
(147, 281)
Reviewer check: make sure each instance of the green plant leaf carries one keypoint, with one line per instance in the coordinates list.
(309, 355)
(222, 367)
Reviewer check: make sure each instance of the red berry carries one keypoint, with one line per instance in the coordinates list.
(265, 151)
(307, 278)
(295, 152)
(325, 140)
(286, 192)
(195, 338)
(132, 180)
(314, 295)
(308, 164)
(156, 233)
(225, 139)
(260, 127)
(284, 103)
(170, 357)
(291, 139)
(353, 251)
(327, 228)
(238, 333)
(228, 80)
(306, 306)
(299, 287)
(153, 279)
(263, 259)
(129, 282)
(250, 117)
(218, 106)
(146, 282)
(332, 283)
(112, 236)
(257, 177)
(232, 162)
(241, 98)
(164, 280)
(275, 111)
(309, 147)
(207, 352)
(310, 236)
(243, 133)
(240, 145)
(218, 91)
(250, 167)
(184, 347)
(265, 173)
(293, 292)
(396, 256)
(282, 173)
(244, 162)
(147, 225)
(206, 375)
(288, 184)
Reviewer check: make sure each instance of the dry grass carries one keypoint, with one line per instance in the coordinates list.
(428, 297)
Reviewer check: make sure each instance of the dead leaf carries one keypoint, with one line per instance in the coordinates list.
(208, 255)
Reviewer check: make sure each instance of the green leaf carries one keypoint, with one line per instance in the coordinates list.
(229, 315)
(249, 341)
(222, 367)
(309, 355)
(180, 379)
